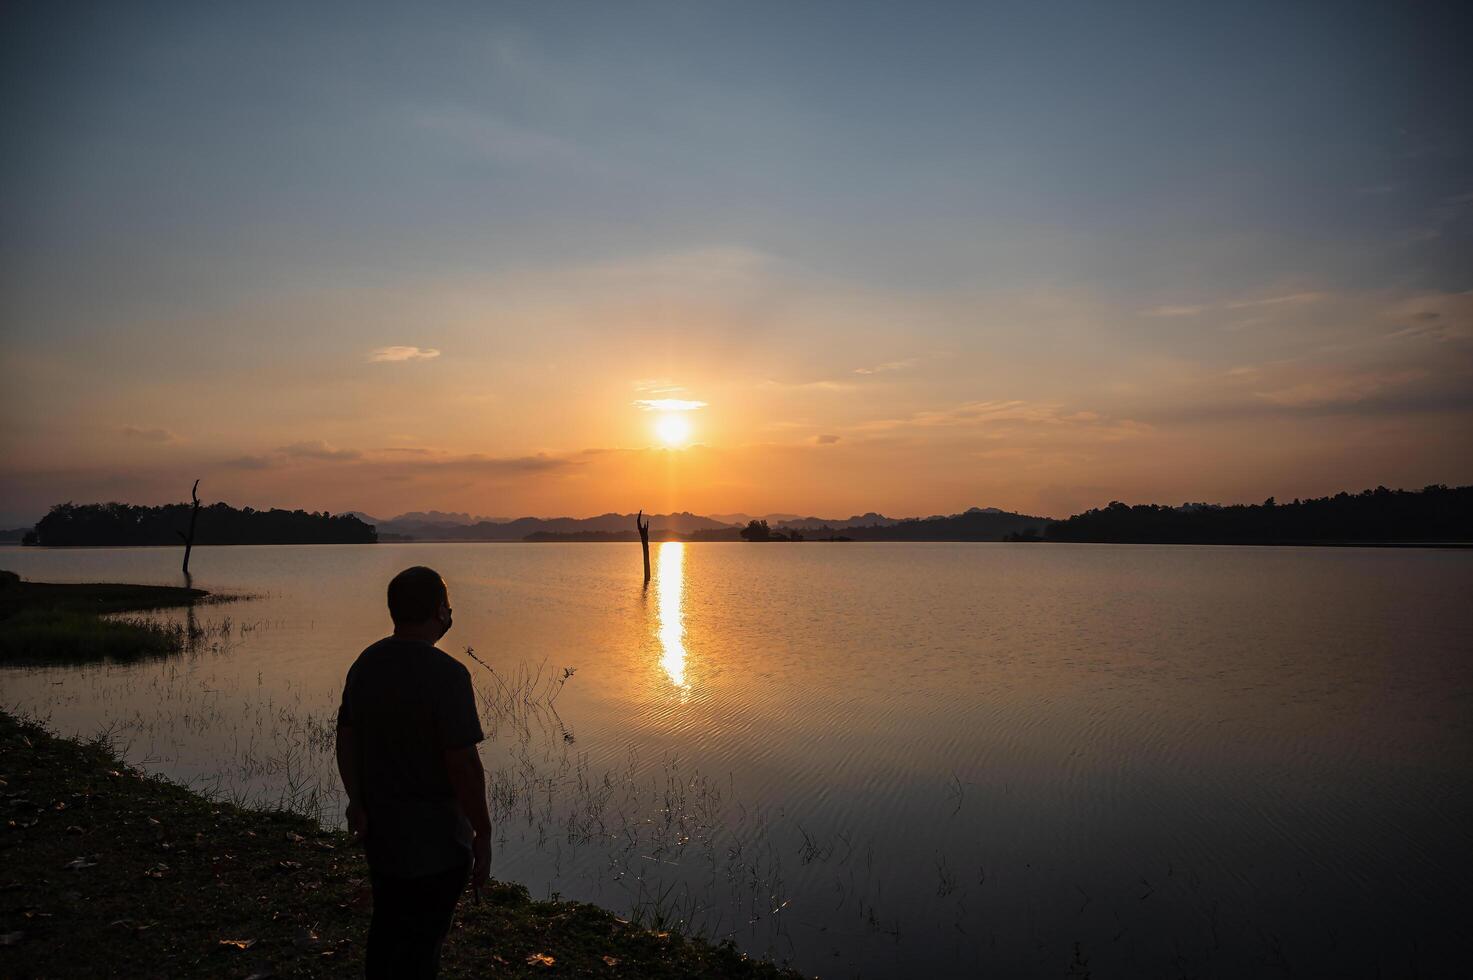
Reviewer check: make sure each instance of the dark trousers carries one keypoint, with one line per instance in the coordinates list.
(410, 919)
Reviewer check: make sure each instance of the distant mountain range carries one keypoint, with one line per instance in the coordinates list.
(436, 517)
(1435, 514)
(425, 524)
(434, 526)
(741, 519)
(978, 523)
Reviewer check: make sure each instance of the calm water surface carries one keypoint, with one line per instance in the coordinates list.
(891, 759)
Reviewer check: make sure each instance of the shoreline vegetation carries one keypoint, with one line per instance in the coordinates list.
(49, 623)
(99, 856)
(109, 871)
(1435, 516)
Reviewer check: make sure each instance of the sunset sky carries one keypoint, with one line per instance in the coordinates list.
(823, 258)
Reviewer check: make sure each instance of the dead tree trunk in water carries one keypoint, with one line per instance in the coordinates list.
(644, 542)
(189, 538)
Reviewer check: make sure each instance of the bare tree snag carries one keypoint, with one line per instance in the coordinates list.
(193, 516)
(644, 542)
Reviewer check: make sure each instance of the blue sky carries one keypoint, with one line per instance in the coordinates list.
(1091, 210)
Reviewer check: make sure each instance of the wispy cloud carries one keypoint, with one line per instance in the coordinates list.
(889, 366)
(846, 382)
(405, 450)
(312, 449)
(400, 463)
(475, 464)
(1197, 309)
(660, 387)
(669, 404)
(317, 449)
(970, 413)
(1007, 414)
(149, 435)
(401, 353)
(247, 463)
(1287, 299)
(819, 384)
(1339, 390)
(1177, 310)
(825, 440)
(1439, 317)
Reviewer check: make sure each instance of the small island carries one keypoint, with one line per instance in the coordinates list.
(127, 525)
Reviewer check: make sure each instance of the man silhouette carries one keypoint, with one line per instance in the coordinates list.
(406, 745)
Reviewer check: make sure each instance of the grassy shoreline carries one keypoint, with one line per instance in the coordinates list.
(108, 871)
(49, 623)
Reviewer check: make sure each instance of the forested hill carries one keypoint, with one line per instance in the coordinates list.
(101, 525)
(974, 525)
(1433, 514)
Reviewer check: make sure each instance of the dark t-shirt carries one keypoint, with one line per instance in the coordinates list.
(407, 702)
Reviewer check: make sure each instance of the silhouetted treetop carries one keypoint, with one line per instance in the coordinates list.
(115, 524)
(1434, 513)
(757, 531)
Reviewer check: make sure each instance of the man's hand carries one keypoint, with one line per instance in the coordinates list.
(468, 780)
(348, 770)
(357, 820)
(481, 866)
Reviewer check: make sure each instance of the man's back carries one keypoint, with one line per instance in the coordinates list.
(407, 703)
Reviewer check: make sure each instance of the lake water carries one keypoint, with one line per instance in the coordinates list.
(890, 759)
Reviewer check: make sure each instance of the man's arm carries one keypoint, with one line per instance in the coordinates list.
(348, 772)
(468, 780)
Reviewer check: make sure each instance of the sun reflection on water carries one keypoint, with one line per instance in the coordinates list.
(670, 590)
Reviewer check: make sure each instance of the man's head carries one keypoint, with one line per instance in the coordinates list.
(419, 604)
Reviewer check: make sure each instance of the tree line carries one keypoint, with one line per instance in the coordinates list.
(122, 525)
(1434, 513)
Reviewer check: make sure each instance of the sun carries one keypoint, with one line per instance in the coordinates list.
(673, 429)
